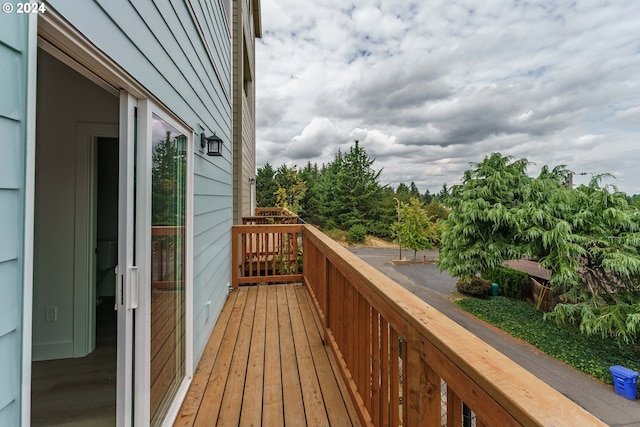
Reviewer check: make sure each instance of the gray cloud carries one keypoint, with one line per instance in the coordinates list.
(429, 87)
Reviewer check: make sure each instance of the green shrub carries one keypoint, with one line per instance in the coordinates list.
(336, 234)
(329, 225)
(357, 233)
(476, 286)
(513, 283)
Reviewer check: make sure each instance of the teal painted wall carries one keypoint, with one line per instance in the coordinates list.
(13, 90)
(161, 45)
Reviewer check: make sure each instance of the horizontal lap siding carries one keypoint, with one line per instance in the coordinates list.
(13, 78)
(160, 45)
(248, 154)
(243, 116)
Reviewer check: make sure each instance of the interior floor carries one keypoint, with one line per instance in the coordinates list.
(80, 391)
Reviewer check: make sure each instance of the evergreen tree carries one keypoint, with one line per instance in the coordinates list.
(413, 190)
(327, 187)
(443, 195)
(266, 186)
(427, 197)
(351, 190)
(388, 214)
(588, 237)
(310, 203)
(402, 192)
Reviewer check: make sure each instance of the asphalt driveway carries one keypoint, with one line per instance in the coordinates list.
(433, 287)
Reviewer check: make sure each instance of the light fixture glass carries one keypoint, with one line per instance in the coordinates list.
(213, 144)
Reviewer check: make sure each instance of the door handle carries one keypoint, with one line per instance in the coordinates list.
(119, 283)
(132, 294)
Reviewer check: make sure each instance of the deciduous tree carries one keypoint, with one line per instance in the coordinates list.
(414, 229)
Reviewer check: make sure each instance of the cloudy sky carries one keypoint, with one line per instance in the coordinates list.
(429, 86)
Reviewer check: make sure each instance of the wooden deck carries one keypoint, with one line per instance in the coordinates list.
(403, 363)
(265, 364)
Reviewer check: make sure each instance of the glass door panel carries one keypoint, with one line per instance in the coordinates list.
(168, 262)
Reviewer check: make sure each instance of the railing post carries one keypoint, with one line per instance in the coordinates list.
(423, 399)
(325, 293)
(234, 258)
(454, 409)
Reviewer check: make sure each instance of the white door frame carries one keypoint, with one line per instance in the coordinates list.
(126, 272)
(84, 297)
(29, 219)
(55, 35)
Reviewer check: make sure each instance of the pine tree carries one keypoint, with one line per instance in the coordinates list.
(310, 203)
(266, 186)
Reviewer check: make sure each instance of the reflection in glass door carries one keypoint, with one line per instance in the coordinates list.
(168, 215)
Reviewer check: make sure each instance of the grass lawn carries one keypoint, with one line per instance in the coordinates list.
(592, 355)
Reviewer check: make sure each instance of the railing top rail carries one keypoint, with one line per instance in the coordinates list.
(515, 389)
(268, 228)
(272, 211)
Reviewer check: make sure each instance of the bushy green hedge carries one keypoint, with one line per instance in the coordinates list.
(476, 286)
(357, 233)
(513, 283)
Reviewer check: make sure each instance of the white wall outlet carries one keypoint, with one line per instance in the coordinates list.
(51, 314)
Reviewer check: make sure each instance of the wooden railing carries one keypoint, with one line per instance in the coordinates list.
(271, 216)
(266, 254)
(404, 362)
(264, 219)
(274, 212)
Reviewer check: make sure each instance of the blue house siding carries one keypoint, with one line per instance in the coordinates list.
(180, 51)
(13, 87)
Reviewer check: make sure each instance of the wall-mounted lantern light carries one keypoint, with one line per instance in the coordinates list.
(212, 143)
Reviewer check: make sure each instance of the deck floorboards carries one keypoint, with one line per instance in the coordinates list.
(265, 364)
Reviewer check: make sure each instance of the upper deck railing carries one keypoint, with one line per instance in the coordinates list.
(404, 362)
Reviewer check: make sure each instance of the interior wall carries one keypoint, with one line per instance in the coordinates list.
(64, 99)
(107, 201)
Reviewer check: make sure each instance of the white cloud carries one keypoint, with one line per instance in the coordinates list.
(428, 87)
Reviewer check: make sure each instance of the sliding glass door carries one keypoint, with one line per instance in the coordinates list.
(153, 267)
(168, 265)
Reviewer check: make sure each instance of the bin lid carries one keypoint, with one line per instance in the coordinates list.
(623, 372)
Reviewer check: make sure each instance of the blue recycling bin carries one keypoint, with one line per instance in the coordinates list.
(625, 381)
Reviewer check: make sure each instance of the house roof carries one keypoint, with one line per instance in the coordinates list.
(532, 268)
